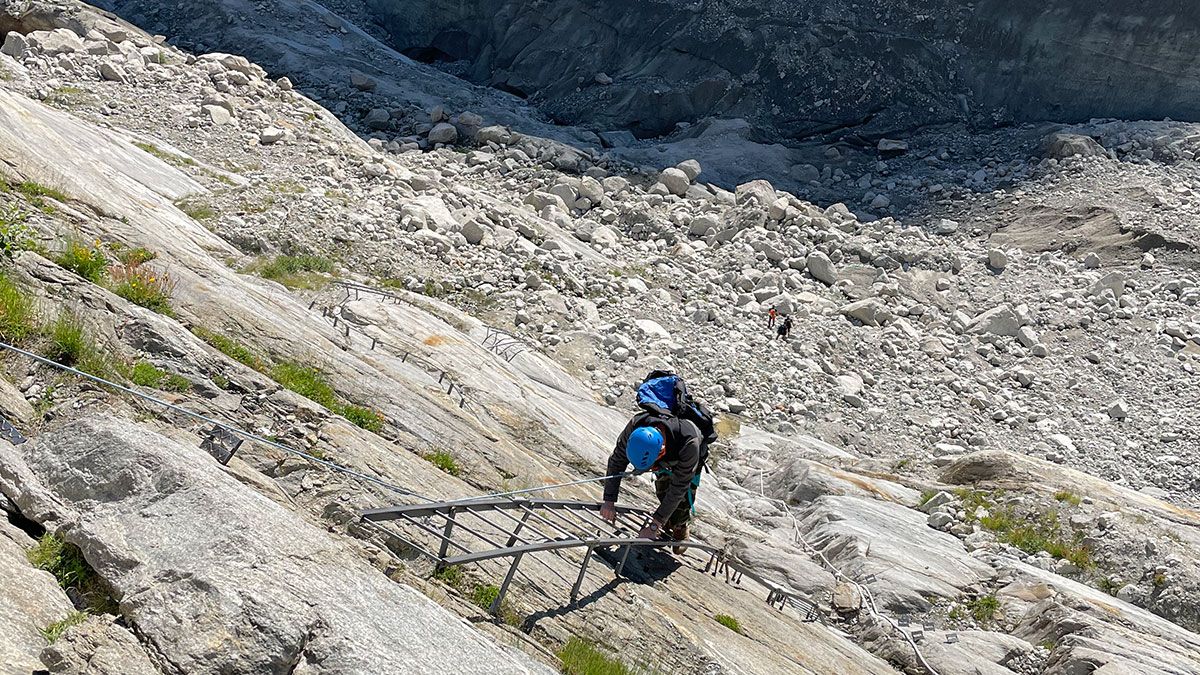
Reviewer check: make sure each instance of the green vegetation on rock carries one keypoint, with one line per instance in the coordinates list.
(362, 416)
(443, 460)
(15, 233)
(87, 260)
(729, 622)
(1031, 531)
(1068, 497)
(234, 350)
(144, 286)
(72, 345)
(306, 381)
(56, 629)
(66, 562)
(300, 271)
(145, 374)
(311, 384)
(196, 210)
(18, 321)
(580, 657)
(168, 157)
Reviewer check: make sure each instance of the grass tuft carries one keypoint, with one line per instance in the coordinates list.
(299, 271)
(580, 657)
(1036, 533)
(69, 342)
(234, 350)
(134, 256)
(56, 629)
(143, 285)
(36, 193)
(168, 157)
(1068, 497)
(66, 563)
(18, 321)
(87, 260)
(451, 576)
(362, 416)
(729, 622)
(308, 382)
(485, 595)
(445, 461)
(984, 609)
(311, 384)
(196, 210)
(145, 374)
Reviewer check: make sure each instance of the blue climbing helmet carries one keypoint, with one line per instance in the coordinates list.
(644, 446)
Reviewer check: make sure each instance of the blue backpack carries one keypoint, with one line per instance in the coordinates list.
(665, 393)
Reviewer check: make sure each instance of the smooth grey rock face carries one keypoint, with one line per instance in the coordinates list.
(217, 578)
(911, 562)
(97, 647)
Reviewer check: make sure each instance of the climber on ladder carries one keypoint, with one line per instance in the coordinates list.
(670, 437)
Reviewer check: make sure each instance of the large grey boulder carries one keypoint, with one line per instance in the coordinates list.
(675, 180)
(217, 578)
(1063, 145)
(821, 268)
(1095, 632)
(869, 311)
(57, 41)
(15, 45)
(1000, 321)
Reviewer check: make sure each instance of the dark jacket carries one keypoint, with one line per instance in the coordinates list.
(682, 459)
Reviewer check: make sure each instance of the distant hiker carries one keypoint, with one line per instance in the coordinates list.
(785, 328)
(671, 437)
(771, 316)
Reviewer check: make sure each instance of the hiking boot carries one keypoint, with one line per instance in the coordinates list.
(679, 533)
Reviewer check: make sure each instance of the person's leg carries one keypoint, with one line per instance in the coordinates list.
(679, 524)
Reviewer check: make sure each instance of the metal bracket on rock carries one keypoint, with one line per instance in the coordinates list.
(444, 378)
(221, 444)
(505, 345)
(10, 433)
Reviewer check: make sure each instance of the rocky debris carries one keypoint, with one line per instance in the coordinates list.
(362, 82)
(239, 564)
(1117, 410)
(1064, 145)
(914, 355)
(15, 45)
(945, 226)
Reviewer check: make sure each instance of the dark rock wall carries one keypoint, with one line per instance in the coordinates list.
(797, 68)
